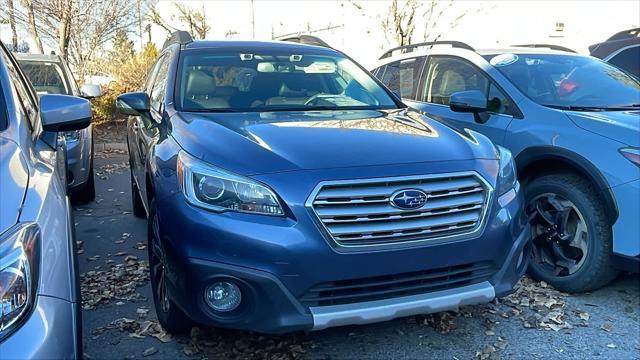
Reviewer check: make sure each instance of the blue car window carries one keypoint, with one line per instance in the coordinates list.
(46, 78)
(448, 75)
(403, 77)
(628, 60)
(3, 111)
(273, 81)
(570, 81)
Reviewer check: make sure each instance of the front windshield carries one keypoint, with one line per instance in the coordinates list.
(45, 77)
(569, 81)
(275, 81)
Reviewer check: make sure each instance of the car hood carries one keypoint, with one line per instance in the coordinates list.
(623, 126)
(13, 181)
(267, 142)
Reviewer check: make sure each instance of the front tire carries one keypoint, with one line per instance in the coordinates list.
(170, 316)
(571, 237)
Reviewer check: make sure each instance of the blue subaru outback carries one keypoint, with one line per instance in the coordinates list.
(287, 189)
(573, 125)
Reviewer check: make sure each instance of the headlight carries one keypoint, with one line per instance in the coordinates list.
(19, 248)
(215, 189)
(507, 177)
(632, 154)
(72, 135)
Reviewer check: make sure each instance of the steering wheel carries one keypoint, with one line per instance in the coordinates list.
(313, 99)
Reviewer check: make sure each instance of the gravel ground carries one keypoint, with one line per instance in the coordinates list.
(535, 322)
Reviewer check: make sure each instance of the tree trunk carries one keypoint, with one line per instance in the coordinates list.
(31, 22)
(12, 24)
(63, 37)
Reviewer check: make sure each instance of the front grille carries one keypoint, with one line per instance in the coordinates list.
(359, 213)
(392, 286)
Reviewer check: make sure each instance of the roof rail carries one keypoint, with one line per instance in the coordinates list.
(178, 37)
(626, 34)
(306, 39)
(546, 46)
(412, 47)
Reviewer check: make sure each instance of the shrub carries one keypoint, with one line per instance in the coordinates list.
(129, 75)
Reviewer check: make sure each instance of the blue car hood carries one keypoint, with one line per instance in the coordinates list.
(13, 183)
(623, 126)
(267, 142)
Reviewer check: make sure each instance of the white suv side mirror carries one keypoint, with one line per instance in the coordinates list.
(90, 91)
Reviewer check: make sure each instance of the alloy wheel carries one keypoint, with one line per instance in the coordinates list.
(559, 235)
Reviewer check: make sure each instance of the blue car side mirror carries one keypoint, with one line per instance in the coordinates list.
(64, 113)
(133, 103)
(472, 101)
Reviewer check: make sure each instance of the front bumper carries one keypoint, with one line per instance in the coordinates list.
(273, 308)
(50, 332)
(626, 230)
(275, 261)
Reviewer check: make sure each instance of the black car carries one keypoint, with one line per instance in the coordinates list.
(621, 50)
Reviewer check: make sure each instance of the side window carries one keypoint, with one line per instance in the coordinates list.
(4, 122)
(628, 60)
(403, 76)
(410, 71)
(448, 75)
(160, 83)
(498, 102)
(25, 95)
(148, 83)
(391, 77)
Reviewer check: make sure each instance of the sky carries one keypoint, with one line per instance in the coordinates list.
(358, 32)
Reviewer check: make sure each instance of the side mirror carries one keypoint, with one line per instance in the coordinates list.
(133, 103)
(64, 113)
(90, 91)
(472, 101)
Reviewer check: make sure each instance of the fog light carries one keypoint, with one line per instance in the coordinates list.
(223, 296)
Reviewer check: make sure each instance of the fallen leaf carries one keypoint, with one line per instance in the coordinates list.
(150, 351)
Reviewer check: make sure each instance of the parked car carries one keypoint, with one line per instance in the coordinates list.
(286, 189)
(573, 125)
(621, 50)
(50, 74)
(40, 312)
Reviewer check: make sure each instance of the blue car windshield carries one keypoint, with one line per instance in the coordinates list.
(569, 81)
(275, 81)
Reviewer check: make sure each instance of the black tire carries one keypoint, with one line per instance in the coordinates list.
(136, 200)
(170, 316)
(596, 269)
(87, 192)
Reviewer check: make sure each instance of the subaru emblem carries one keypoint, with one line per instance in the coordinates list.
(409, 199)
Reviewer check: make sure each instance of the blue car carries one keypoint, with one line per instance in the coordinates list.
(573, 125)
(50, 74)
(40, 310)
(286, 189)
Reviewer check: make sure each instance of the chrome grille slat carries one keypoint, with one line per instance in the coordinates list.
(423, 214)
(386, 189)
(360, 213)
(331, 212)
(409, 224)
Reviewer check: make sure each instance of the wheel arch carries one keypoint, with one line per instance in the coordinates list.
(535, 161)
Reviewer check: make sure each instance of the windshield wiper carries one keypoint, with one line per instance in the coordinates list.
(594, 108)
(211, 110)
